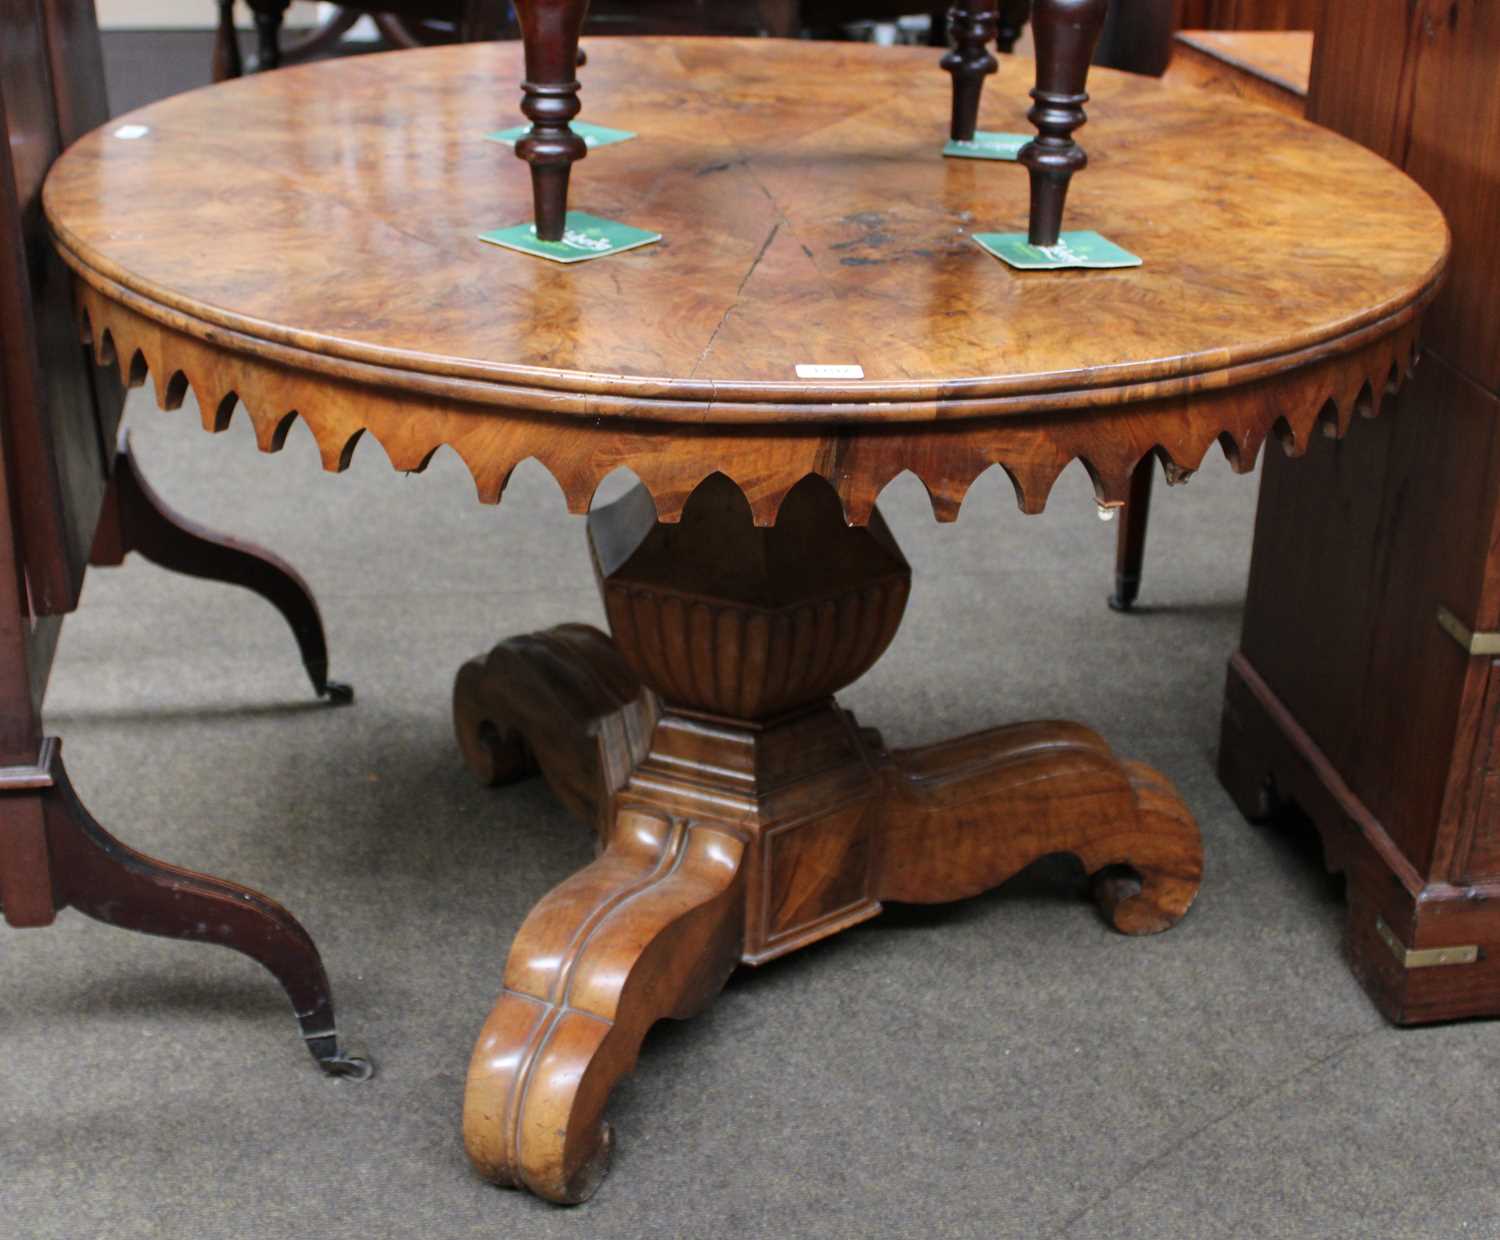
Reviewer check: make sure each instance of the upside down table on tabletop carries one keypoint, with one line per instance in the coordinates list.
(305, 242)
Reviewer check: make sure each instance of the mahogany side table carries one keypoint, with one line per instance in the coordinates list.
(322, 263)
(1365, 692)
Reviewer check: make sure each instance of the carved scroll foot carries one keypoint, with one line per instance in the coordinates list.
(93, 872)
(135, 518)
(562, 702)
(650, 930)
(963, 816)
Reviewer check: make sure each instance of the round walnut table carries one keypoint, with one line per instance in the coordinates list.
(304, 243)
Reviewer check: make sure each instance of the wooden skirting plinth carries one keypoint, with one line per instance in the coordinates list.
(1426, 951)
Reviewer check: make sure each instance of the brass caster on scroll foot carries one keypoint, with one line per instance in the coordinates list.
(345, 1063)
(334, 692)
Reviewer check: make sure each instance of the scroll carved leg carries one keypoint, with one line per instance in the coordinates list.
(972, 26)
(562, 702)
(135, 518)
(650, 930)
(963, 816)
(549, 32)
(93, 872)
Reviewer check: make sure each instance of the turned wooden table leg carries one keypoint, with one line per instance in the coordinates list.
(649, 930)
(268, 15)
(963, 816)
(1012, 20)
(1130, 544)
(549, 31)
(971, 24)
(226, 59)
(744, 814)
(1066, 32)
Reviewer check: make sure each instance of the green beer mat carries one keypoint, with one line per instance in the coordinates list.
(592, 135)
(585, 236)
(988, 146)
(1073, 249)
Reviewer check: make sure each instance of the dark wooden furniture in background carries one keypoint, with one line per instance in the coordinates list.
(1264, 67)
(1249, 14)
(403, 22)
(1065, 32)
(743, 813)
(414, 23)
(1366, 689)
(64, 491)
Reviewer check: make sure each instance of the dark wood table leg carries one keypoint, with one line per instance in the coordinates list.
(226, 61)
(744, 814)
(71, 861)
(268, 15)
(135, 518)
(1130, 547)
(1066, 33)
(971, 25)
(549, 99)
(1013, 15)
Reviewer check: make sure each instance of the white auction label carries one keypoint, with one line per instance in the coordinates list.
(806, 370)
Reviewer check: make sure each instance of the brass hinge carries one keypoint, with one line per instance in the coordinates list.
(1474, 643)
(1426, 957)
(24, 778)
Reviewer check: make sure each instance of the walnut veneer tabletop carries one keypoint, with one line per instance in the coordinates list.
(306, 240)
(1281, 57)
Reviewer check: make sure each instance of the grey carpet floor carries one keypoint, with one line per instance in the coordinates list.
(1004, 1067)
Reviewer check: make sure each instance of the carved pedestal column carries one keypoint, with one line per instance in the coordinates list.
(742, 814)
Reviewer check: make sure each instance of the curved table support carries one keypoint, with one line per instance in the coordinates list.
(135, 518)
(649, 930)
(963, 816)
(66, 859)
(744, 814)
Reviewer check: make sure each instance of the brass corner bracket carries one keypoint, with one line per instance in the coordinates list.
(1474, 643)
(24, 778)
(1425, 957)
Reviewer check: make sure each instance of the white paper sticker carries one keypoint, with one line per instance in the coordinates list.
(806, 370)
(128, 132)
